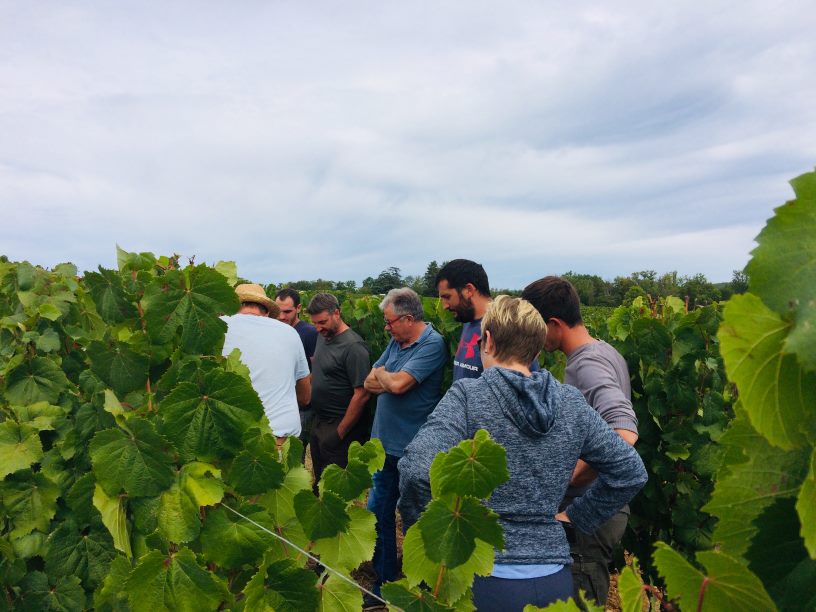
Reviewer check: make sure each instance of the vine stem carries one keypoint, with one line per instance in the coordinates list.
(442, 568)
(700, 598)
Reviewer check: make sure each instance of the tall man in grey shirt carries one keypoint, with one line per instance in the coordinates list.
(601, 374)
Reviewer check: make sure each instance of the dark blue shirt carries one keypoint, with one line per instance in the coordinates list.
(467, 363)
(308, 336)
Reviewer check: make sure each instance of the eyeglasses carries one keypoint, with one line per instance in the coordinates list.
(394, 320)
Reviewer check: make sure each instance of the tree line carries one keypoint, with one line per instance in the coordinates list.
(592, 289)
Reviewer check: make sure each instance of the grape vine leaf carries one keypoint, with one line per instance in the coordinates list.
(41, 416)
(346, 550)
(778, 556)
(727, 584)
(196, 485)
(784, 264)
(455, 581)
(411, 600)
(30, 503)
(178, 515)
(753, 475)
(41, 592)
(85, 554)
(450, 535)
(337, 595)
(806, 507)
(349, 482)
(371, 453)
(630, 589)
(207, 420)
(48, 342)
(229, 270)
(280, 502)
(112, 509)
(138, 463)
(80, 499)
(322, 517)
(20, 446)
(190, 300)
(282, 586)
(37, 380)
(230, 541)
(777, 395)
(473, 467)
(111, 595)
(173, 581)
(118, 365)
(133, 262)
(253, 473)
(109, 296)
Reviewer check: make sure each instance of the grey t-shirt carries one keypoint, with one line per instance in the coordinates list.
(339, 365)
(599, 372)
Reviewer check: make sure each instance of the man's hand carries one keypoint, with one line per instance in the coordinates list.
(354, 411)
(394, 382)
(371, 383)
(584, 475)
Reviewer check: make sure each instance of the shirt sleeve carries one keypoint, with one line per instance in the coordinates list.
(301, 365)
(443, 430)
(596, 379)
(428, 357)
(621, 474)
(357, 360)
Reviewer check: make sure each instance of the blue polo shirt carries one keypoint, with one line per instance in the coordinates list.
(399, 417)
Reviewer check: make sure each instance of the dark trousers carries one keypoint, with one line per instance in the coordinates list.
(592, 554)
(326, 447)
(509, 595)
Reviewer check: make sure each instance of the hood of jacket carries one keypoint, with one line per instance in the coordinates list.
(528, 401)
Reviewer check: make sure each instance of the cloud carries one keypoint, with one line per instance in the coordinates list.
(320, 140)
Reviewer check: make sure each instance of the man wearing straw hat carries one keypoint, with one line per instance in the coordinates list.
(274, 355)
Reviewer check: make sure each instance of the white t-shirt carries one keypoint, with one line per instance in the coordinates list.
(274, 355)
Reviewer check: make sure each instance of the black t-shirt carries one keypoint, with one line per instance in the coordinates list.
(338, 366)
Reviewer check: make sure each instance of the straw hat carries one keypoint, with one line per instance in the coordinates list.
(250, 292)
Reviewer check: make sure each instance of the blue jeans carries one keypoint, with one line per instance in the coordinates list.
(382, 501)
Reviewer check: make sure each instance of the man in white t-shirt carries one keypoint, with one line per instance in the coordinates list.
(274, 355)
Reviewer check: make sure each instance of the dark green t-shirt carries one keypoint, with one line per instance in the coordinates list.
(338, 366)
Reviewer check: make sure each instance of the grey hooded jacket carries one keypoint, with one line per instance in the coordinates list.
(545, 427)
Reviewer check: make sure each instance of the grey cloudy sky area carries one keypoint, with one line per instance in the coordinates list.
(331, 140)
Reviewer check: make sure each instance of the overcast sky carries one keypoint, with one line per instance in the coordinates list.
(335, 139)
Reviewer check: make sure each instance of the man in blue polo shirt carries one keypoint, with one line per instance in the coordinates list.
(407, 379)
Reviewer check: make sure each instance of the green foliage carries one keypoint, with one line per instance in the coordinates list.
(456, 535)
(126, 440)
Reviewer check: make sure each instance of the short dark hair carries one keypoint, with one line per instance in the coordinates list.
(287, 292)
(460, 272)
(321, 302)
(554, 297)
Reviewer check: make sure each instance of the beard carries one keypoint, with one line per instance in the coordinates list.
(464, 312)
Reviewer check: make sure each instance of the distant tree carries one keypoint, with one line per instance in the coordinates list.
(387, 280)
(699, 290)
(647, 279)
(429, 279)
(349, 286)
(668, 284)
(739, 282)
(417, 283)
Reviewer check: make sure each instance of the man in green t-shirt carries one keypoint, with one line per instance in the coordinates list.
(339, 368)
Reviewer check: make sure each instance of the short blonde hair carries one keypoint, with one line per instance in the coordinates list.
(517, 329)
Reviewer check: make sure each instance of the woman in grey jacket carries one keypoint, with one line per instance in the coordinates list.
(545, 427)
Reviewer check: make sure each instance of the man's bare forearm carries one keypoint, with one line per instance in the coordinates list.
(395, 382)
(584, 475)
(355, 410)
(372, 385)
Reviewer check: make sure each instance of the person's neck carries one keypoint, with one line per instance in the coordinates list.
(341, 328)
(295, 321)
(480, 304)
(419, 328)
(574, 338)
(512, 365)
